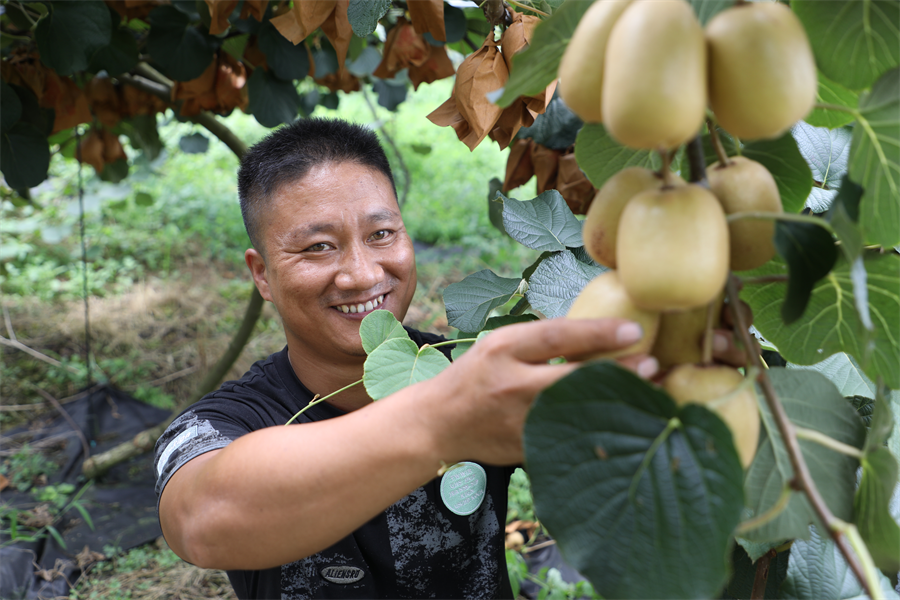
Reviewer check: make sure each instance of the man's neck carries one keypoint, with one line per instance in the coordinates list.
(322, 379)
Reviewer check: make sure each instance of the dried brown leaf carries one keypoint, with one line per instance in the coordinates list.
(571, 182)
(24, 68)
(437, 66)
(112, 147)
(518, 165)
(219, 11)
(308, 15)
(403, 48)
(546, 166)
(68, 101)
(88, 557)
(428, 16)
(254, 8)
(104, 100)
(342, 80)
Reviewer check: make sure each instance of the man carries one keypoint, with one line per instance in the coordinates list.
(347, 503)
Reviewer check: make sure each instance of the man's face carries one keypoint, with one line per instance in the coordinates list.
(335, 249)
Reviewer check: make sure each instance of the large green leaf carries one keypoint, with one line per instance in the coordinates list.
(871, 505)
(601, 157)
(831, 323)
(398, 363)
(810, 253)
(855, 41)
(817, 570)
(543, 223)
(364, 15)
(272, 101)
(469, 302)
(142, 131)
(827, 152)
(833, 94)
(378, 327)
(24, 156)
(10, 107)
(844, 371)
(557, 281)
(813, 402)
(556, 128)
(535, 68)
(179, 48)
(287, 61)
(120, 56)
(623, 479)
(875, 160)
(71, 33)
(707, 9)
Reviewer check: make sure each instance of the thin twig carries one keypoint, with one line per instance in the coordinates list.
(84, 443)
(387, 137)
(9, 327)
(36, 354)
(802, 476)
(167, 378)
(764, 279)
(761, 577)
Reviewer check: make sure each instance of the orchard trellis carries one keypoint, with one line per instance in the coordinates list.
(646, 497)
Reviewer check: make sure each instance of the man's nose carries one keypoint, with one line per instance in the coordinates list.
(359, 269)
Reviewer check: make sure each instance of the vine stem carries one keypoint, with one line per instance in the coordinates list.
(770, 216)
(317, 400)
(769, 515)
(803, 481)
(717, 143)
(829, 442)
(764, 279)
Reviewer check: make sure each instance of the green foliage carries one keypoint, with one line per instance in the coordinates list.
(556, 282)
(601, 157)
(398, 363)
(70, 35)
(622, 477)
(544, 223)
(470, 302)
(810, 254)
(25, 466)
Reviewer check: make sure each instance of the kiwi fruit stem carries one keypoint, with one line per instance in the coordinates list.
(717, 143)
(708, 333)
(666, 171)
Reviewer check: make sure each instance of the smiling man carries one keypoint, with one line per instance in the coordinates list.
(347, 502)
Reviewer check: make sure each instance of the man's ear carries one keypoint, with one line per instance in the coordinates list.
(257, 265)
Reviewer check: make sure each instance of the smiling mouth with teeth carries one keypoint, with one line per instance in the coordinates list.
(361, 308)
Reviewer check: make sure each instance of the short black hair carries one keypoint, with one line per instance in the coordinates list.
(291, 152)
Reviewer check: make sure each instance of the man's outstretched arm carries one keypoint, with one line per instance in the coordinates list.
(283, 493)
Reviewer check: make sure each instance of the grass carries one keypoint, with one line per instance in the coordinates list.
(168, 286)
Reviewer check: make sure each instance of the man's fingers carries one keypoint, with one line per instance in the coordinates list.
(539, 341)
(727, 351)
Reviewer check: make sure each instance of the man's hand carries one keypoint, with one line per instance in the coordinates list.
(491, 388)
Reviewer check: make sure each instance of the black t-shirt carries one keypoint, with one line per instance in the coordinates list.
(416, 548)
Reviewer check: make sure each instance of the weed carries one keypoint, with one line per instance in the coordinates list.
(25, 467)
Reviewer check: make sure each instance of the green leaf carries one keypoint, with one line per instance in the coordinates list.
(56, 536)
(272, 101)
(390, 95)
(195, 143)
(557, 281)
(834, 94)
(601, 157)
(492, 324)
(875, 160)
(813, 402)
(287, 61)
(455, 24)
(120, 56)
(495, 209)
(557, 128)
(623, 479)
(143, 199)
(817, 570)
(810, 254)
(707, 9)
(844, 371)
(529, 270)
(469, 302)
(827, 152)
(144, 135)
(398, 363)
(535, 68)
(367, 61)
(543, 223)
(365, 14)
(71, 33)
(236, 45)
(379, 326)
(24, 156)
(843, 215)
(831, 323)
(782, 158)
(873, 519)
(114, 172)
(10, 107)
(854, 41)
(181, 50)
(84, 514)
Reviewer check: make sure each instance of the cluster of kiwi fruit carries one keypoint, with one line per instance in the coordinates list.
(649, 71)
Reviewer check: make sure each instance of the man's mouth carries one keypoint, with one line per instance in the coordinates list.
(361, 308)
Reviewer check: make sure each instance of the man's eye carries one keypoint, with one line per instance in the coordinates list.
(380, 235)
(317, 248)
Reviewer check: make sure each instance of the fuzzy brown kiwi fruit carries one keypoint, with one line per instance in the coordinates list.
(762, 74)
(604, 297)
(744, 185)
(672, 248)
(714, 386)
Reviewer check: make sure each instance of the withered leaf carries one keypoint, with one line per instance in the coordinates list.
(112, 147)
(219, 11)
(254, 8)
(4, 482)
(133, 101)
(574, 186)
(104, 100)
(308, 15)
(511, 120)
(68, 101)
(546, 166)
(437, 66)
(88, 557)
(403, 48)
(24, 68)
(220, 89)
(518, 165)
(428, 16)
(342, 80)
